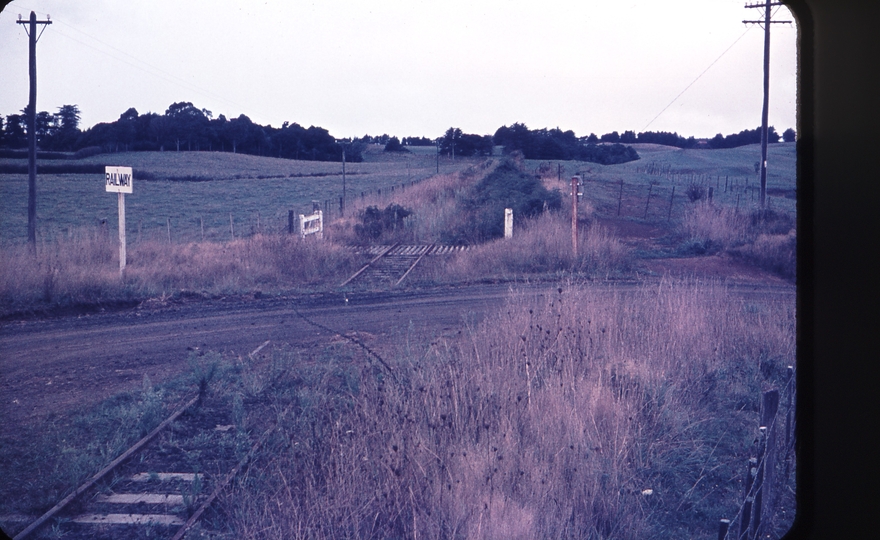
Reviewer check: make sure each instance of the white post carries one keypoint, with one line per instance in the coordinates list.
(119, 180)
(121, 232)
(320, 225)
(508, 223)
(302, 226)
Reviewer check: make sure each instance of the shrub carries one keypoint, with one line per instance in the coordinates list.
(377, 223)
(695, 192)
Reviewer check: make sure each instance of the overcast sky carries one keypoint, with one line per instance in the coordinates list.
(410, 68)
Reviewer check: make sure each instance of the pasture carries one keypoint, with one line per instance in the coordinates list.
(183, 187)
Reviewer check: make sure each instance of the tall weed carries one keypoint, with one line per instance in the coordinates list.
(592, 413)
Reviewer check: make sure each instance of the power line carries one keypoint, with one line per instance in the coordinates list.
(153, 70)
(697, 79)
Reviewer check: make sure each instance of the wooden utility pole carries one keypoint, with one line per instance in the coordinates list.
(31, 30)
(574, 215)
(764, 113)
(342, 201)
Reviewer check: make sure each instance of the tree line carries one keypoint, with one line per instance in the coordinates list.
(184, 126)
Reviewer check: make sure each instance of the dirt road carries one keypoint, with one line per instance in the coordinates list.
(51, 365)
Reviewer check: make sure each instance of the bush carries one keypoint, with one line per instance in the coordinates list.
(375, 223)
(394, 145)
(695, 192)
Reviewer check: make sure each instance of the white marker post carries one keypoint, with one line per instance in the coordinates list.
(119, 180)
(508, 223)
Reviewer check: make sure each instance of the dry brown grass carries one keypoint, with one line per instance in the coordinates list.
(84, 268)
(549, 420)
(766, 238)
(541, 246)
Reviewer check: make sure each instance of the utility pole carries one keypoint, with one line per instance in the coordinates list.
(766, 22)
(575, 183)
(342, 206)
(31, 30)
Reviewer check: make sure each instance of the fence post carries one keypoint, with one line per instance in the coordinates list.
(650, 188)
(620, 197)
(746, 516)
(290, 222)
(231, 227)
(766, 457)
(759, 480)
(790, 386)
(508, 223)
(168, 225)
(671, 197)
(723, 525)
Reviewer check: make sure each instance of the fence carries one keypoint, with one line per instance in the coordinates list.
(768, 469)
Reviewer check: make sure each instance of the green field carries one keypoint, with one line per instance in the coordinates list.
(730, 172)
(187, 186)
(258, 192)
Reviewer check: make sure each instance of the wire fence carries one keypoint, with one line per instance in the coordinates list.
(769, 481)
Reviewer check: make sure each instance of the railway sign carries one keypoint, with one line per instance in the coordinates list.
(117, 179)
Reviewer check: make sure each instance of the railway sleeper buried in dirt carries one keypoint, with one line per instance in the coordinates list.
(138, 498)
(128, 519)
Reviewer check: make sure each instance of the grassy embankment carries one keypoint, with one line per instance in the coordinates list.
(590, 413)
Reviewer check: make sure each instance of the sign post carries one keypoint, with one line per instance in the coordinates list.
(119, 180)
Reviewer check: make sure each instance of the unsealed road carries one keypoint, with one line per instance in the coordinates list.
(50, 365)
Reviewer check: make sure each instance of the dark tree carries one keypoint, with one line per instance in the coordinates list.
(789, 135)
(15, 134)
(394, 145)
(612, 137)
(628, 137)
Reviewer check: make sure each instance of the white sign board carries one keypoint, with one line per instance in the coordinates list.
(117, 179)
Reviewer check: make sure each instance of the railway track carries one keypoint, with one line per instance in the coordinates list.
(163, 484)
(391, 265)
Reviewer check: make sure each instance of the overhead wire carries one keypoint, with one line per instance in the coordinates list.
(153, 70)
(697, 79)
(704, 72)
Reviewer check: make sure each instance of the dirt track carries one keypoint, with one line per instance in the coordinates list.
(51, 365)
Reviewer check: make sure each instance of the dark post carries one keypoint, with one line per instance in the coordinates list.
(31, 29)
(671, 197)
(759, 480)
(769, 407)
(620, 197)
(290, 222)
(650, 188)
(746, 517)
(723, 525)
(791, 389)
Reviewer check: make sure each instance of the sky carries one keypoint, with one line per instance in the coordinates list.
(410, 68)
